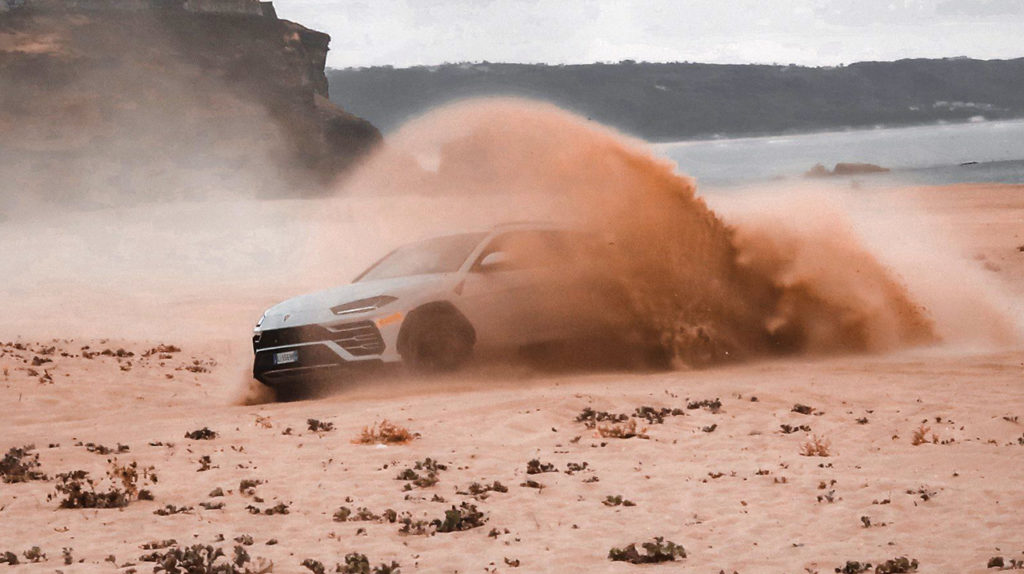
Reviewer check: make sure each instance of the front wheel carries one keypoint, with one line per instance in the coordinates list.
(437, 342)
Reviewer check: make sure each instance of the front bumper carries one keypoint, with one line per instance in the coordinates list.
(318, 349)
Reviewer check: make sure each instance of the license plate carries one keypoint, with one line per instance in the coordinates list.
(285, 357)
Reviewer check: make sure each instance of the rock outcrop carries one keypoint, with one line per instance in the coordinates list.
(123, 100)
(845, 169)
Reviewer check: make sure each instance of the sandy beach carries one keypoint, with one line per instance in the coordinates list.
(720, 467)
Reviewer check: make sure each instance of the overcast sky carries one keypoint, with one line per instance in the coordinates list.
(814, 32)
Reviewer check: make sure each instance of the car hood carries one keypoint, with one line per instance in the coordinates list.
(316, 307)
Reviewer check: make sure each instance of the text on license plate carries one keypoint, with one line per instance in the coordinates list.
(285, 357)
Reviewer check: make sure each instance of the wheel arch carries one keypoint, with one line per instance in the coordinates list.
(426, 312)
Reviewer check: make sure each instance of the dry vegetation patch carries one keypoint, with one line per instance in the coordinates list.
(535, 466)
(713, 405)
(921, 436)
(802, 409)
(384, 432)
(658, 550)
(623, 430)
(617, 500)
(464, 517)
(246, 487)
(899, 565)
(363, 514)
(318, 426)
(652, 415)
(206, 559)
(123, 486)
(171, 509)
(656, 415)
(817, 446)
(34, 554)
(423, 474)
(104, 450)
(20, 465)
(355, 563)
(279, 508)
(201, 434)
(1000, 563)
(482, 491)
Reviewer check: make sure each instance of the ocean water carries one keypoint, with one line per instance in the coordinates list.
(927, 155)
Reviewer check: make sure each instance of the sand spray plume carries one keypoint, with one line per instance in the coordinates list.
(832, 293)
(702, 289)
(860, 250)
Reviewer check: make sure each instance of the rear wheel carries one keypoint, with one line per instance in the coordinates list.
(436, 342)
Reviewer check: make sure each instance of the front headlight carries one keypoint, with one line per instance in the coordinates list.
(363, 305)
(260, 322)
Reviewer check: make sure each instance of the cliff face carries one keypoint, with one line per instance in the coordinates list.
(115, 105)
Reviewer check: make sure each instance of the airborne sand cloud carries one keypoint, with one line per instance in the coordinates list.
(779, 274)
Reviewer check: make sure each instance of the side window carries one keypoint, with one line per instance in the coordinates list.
(523, 250)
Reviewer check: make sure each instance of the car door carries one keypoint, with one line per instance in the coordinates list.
(505, 294)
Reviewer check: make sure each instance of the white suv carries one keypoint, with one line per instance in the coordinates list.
(431, 303)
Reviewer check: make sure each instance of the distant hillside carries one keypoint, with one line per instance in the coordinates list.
(678, 101)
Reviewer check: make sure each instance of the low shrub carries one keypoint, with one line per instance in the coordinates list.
(363, 514)
(201, 434)
(20, 465)
(817, 446)
(355, 563)
(279, 508)
(921, 436)
(656, 416)
(535, 466)
(617, 500)
(590, 417)
(465, 517)
(319, 426)
(482, 491)
(900, 565)
(247, 486)
(659, 550)
(384, 432)
(422, 474)
(623, 431)
(205, 559)
(172, 509)
(79, 491)
(711, 405)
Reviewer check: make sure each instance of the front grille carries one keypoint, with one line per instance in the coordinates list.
(309, 356)
(360, 338)
(290, 336)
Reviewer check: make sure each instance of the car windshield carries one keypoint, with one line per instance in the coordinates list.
(437, 255)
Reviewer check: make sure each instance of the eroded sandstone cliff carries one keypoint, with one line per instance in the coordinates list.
(104, 104)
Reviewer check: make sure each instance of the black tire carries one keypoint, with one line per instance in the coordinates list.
(296, 391)
(437, 341)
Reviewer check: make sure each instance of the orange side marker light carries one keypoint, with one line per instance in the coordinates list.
(392, 318)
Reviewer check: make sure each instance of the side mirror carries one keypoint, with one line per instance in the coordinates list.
(494, 261)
